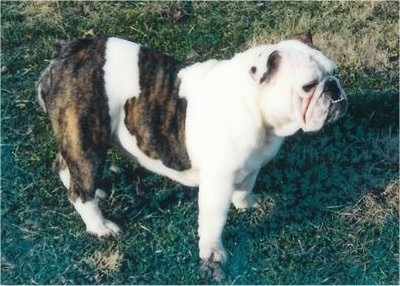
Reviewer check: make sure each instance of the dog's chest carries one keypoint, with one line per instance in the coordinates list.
(259, 157)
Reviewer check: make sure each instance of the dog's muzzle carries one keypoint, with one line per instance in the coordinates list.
(337, 98)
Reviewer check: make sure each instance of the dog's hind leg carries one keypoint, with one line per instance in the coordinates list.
(80, 180)
(80, 163)
(60, 166)
(86, 205)
(72, 92)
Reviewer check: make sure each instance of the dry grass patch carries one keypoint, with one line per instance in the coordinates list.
(374, 209)
(362, 38)
(391, 196)
(105, 262)
(40, 10)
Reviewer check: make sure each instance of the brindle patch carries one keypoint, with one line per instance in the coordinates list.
(73, 91)
(157, 117)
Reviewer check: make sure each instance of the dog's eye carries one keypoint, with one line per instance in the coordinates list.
(309, 86)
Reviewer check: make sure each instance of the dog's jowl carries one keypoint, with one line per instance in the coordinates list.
(212, 124)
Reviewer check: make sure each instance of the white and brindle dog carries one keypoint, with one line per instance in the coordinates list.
(212, 124)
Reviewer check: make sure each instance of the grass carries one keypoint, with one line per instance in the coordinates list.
(330, 210)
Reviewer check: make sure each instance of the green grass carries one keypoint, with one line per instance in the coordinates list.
(330, 210)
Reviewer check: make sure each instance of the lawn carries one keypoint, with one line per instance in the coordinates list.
(330, 201)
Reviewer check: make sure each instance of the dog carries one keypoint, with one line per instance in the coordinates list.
(210, 124)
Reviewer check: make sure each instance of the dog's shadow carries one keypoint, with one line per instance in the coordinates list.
(319, 175)
(334, 168)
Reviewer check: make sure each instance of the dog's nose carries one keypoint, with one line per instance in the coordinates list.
(332, 90)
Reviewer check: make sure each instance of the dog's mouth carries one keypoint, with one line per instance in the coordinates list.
(305, 104)
(325, 104)
(334, 110)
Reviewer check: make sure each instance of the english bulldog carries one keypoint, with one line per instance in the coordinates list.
(210, 124)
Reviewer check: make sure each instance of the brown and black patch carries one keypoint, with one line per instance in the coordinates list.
(272, 66)
(157, 117)
(305, 38)
(74, 94)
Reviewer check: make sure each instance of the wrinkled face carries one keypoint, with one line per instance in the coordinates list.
(299, 89)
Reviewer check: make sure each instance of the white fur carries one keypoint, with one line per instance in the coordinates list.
(65, 177)
(92, 217)
(121, 76)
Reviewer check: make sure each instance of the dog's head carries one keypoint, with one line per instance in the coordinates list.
(297, 86)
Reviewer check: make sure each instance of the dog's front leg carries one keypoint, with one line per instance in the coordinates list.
(215, 194)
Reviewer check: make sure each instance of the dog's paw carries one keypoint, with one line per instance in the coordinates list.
(212, 251)
(104, 229)
(246, 201)
(212, 270)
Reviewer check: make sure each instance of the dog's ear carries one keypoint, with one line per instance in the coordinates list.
(267, 72)
(305, 38)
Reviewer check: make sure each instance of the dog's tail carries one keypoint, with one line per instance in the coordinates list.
(44, 82)
(43, 87)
